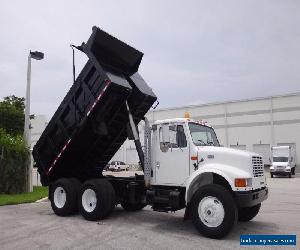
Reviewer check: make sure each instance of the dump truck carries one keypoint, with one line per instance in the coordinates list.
(183, 164)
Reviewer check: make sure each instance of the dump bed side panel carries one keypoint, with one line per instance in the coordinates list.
(91, 123)
(85, 115)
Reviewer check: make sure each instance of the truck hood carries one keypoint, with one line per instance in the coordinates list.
(226, 156)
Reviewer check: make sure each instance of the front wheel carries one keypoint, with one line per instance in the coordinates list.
(213, 211)
(248, 213)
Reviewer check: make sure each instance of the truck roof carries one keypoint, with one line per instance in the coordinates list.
(182, 120)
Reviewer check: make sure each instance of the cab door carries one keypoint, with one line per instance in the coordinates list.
(171, 161)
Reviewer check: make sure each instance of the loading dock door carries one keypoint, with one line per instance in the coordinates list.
(265, 151)
(240, 147)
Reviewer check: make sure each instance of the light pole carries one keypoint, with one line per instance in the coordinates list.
(27, 135)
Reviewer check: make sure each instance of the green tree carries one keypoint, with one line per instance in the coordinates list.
(12, 115)
(18, 102)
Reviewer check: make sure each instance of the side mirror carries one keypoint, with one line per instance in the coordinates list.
(165, 133)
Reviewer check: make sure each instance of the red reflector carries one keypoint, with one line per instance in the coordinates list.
(194, 158)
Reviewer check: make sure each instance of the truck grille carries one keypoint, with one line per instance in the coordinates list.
(258, 166)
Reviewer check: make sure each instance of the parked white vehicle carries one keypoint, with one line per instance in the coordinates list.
(283, 161)
(118, 166)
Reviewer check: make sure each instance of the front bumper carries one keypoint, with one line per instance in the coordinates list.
(280, 171)
(251, 198)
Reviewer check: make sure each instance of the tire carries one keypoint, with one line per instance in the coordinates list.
(290, 175)
(97, 199)
(218, 199)
(293, 171)
(132, 207)
(63, 196)
(272, 176)
(248, 213)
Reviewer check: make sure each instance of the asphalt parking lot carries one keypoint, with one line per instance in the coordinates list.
(35, 226)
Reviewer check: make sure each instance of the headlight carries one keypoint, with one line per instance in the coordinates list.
(272, 167)
(287, 167)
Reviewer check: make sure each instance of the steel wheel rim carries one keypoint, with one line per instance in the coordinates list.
(89, 200)
(211, 211)
(60, 197)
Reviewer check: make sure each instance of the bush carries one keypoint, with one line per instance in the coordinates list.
(14, 157)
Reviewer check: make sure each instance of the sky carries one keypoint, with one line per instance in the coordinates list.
(194, 51)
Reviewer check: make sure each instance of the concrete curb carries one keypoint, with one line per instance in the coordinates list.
(43, 199)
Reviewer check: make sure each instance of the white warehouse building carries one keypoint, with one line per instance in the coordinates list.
(251, 124)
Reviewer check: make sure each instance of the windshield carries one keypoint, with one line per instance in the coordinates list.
(280, 159)
(203, 135)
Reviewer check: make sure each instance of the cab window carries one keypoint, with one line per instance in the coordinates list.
(180, 137)
(177, 138)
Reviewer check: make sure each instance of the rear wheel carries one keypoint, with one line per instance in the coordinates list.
(293, 171)
(248, 213)
(63, 196)
(213, 211)
(97, 199)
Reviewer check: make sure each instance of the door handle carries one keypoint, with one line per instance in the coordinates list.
(157, 164)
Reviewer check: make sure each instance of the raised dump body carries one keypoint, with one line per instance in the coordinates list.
(92, 121)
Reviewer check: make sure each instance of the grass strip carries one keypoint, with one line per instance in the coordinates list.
(12, 199)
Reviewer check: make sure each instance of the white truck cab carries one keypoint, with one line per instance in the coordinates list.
(283, 161)
(214, 182)
(191, 148)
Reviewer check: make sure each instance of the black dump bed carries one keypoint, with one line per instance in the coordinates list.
(92, 121)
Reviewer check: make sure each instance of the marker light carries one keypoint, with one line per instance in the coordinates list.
(241, 182)
(187, 115)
